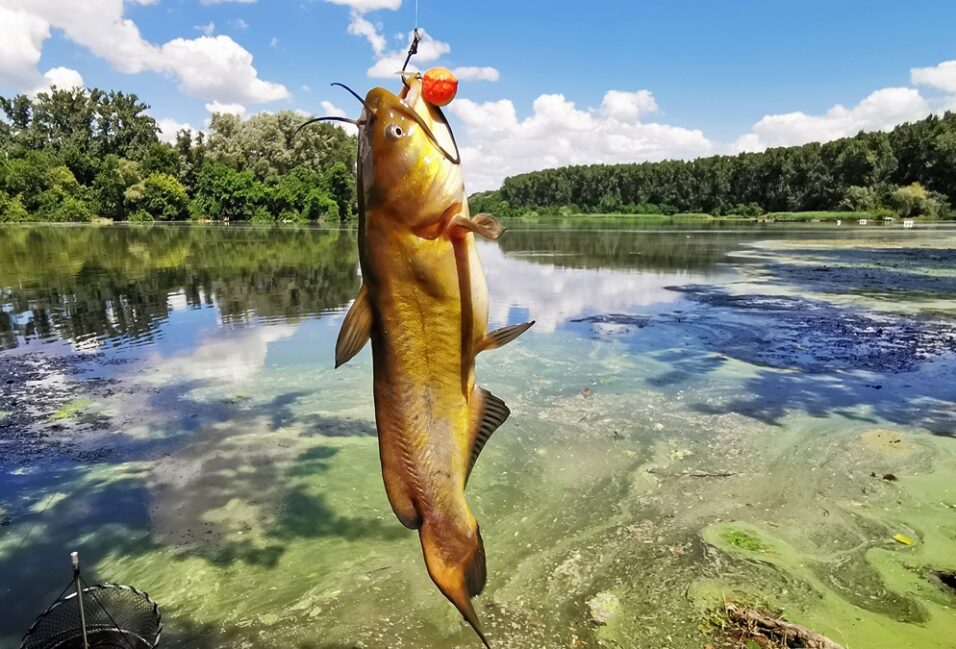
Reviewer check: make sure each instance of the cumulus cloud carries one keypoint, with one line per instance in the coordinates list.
(476, 73)
(363, 6)
(230, 109)
(211, 68)
(389, 63)
(21, 44)
(942, 76)
(557, 133)
(61, 78)
(331, 110)
(881, 110)
(168, 128)
(360, 26)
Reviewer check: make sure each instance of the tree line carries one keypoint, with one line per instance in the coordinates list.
(81, 154)
(909, 171)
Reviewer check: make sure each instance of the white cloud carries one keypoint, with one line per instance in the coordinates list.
(881, 110)
(239, 23)
(942, 76)
(211, 68)
(62, 78)
(274, 42)
(231, 109)
(390, 63)
(628, 105)
(21, 44)
(206, 29)
(557, 133)
(218, 68)
(363, 6)
(331, 110)
(168, 128)
(359, 26)
(306, 88)
(475, 73)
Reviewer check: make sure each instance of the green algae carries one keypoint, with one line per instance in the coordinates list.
(73, 409)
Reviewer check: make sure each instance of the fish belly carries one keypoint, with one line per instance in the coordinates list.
(421, 410)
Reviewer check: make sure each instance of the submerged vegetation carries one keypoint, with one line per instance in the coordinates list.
(78, 155)
(907, 172)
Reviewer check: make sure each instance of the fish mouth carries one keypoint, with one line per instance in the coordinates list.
(397, 104)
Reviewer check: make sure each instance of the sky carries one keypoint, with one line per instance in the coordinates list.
(542, 84)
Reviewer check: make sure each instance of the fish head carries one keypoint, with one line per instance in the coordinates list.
(409, 160)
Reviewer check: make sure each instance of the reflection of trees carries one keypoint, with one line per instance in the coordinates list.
(77, 283)
(664, 251)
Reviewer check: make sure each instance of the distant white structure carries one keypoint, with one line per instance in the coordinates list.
(863, 221)
(839, 222)
(908, 223)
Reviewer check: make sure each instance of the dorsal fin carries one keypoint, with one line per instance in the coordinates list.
(493, 413)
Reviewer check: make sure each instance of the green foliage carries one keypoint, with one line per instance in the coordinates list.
(861, 199)
(11, 209)
(222, 193)
(851, 173)
(140, 216)
(161, 158)
(749, 209)
(341, 186)
(264, 146)
(78, 154)
(161, 196)
(914, 200)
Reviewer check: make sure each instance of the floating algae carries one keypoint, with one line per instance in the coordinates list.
(73, 409)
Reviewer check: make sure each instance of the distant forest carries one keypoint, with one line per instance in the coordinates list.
(909, 171)
(83, 154)
(78, 155)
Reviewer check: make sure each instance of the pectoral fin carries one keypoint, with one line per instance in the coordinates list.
(482, 224)
(492, 412)
(355, 330)
(501, 337)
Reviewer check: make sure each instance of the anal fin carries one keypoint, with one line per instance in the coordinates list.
(356, 328)
(501, 337)
(493, 413)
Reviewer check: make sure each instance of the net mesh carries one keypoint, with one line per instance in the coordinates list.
(117, 617)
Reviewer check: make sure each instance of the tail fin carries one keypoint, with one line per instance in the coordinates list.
(459, 578)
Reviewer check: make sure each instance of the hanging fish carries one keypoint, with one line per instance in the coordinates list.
(424, 305)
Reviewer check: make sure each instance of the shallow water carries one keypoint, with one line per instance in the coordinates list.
(698, 413)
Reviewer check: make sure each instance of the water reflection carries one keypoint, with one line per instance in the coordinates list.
(117, 284)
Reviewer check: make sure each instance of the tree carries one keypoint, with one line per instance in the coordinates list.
(341, 187)
(263, 144)
(160, 196)
(226, 194)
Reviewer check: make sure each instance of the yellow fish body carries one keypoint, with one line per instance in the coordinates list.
(424, 305)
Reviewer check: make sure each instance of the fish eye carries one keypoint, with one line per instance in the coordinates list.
(394, 131)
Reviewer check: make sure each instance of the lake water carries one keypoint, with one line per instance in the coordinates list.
(698, 413)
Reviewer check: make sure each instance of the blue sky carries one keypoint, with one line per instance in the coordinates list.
(690, 78)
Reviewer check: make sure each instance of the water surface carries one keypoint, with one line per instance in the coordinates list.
(169, 408)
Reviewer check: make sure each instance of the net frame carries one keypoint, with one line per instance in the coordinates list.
(59, 627)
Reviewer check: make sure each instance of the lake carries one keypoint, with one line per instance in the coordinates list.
(764, 413)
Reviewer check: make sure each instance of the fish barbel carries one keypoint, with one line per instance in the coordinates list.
(424, 305)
